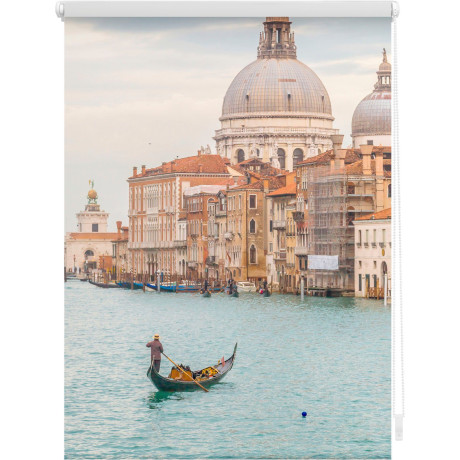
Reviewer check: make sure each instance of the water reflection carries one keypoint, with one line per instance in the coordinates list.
(156, 398)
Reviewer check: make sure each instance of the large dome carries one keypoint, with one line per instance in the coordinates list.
(372, 116)
(274, 86)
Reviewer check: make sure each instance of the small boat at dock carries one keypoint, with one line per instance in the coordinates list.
(186, 381)
(127, 285)
(104, 285)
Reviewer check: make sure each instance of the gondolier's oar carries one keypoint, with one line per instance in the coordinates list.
(201, 386)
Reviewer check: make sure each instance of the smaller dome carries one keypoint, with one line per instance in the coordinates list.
(385, 67)
(92, 194)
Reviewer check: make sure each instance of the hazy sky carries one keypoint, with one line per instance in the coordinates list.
(145, 90)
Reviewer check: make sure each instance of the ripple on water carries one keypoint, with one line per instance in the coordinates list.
(330, 357)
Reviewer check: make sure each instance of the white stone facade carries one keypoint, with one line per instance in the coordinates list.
(372, 256)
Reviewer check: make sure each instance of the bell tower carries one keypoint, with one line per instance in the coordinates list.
(276, 41)
(92, 219)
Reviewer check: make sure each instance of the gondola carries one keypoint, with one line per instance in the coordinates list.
(151, 286)
(266, 293)
(127, 285)
(234, 294)
(83, 279)
(104, 285)
(176, 384)
(205, 294)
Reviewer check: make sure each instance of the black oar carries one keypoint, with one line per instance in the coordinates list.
(201, 386)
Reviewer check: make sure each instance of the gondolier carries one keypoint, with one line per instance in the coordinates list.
(156, 348)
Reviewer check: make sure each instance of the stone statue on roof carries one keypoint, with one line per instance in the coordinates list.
(208, 150)
(384, 55)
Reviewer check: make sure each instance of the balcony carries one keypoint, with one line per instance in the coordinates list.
(374, 244)
(280, 255)
(300, 251)
(221, 213)
(180, 243)
(229, 235)
(298, 216)
(358, 245)
(279, 224)
(382, 245)
(192, 265)
(366, 245)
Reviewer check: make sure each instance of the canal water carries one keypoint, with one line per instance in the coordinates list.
(328, 357)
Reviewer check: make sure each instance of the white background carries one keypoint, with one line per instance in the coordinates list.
(32, 228)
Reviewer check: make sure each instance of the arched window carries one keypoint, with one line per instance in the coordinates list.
(89, 253)
(252, 226)
(252, 255)
(282, 158)
(240, 156)
(297, 156)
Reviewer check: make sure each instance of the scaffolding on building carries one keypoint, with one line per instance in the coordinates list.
(335, 199)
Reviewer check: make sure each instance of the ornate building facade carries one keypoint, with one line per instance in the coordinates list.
(276, 109)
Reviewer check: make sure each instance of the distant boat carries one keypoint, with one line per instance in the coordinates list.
(178, 381)
(246, 286)
(83, 279)
(104, 285)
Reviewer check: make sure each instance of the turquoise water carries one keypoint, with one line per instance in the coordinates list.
(329, 357)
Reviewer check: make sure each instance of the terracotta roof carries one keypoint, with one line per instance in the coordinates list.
(197, 164)
(290, 189)
(93, 236)
(351, 156)
(273, 184)
(380, 215)
(356, 169)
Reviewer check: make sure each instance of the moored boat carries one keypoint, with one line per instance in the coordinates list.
(266, 293)
(104, 285)
(151, 286)
(127, 285)
(246, 286)
(178, 381)
(205, 294)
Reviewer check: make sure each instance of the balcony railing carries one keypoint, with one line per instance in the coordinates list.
(228, 235)
(192, 265)
(300, 251)
(382, 244)
(220, 213)
(279, 224)
(180, 243)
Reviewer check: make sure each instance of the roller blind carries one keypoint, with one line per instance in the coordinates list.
(232, 175)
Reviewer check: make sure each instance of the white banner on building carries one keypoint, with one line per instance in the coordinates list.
(323, 262)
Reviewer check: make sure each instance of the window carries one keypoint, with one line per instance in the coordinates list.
(359, 237)
(89, 253)
(252, 226)
(252, 201)
(360, 264)
(297, 156)
(240, 156)
(383, 235)
(389, 190)
(282, 158)
(252, 255)
(239, 202)
(95, 227)
(375, 235)
(370, 142)
(360, 282)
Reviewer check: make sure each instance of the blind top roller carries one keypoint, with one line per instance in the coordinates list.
(117, 9)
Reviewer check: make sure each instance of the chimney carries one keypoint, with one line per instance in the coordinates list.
(337, 140)
(118, 228)
(266, 183)
(340, 155)
(134, 171)
(199, 153)
(379, 161)
(143, 169)
(200, 168)
(366, 151)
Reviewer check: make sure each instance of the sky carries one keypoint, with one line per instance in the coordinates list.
(146, 90)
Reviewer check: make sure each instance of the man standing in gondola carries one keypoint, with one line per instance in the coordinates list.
(156, 348)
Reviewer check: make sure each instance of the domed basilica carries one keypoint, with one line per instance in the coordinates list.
(276, 108)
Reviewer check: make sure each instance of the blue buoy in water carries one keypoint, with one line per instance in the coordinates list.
(304, 414)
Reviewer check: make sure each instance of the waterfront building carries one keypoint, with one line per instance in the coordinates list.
(342, 185)
(200, 206)
(276, 109)
(373, 254)
(221, 255)
(90, 247)
(157, 219)
(246, 236)
(120, 258)
(371, 123)
(282, 201)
